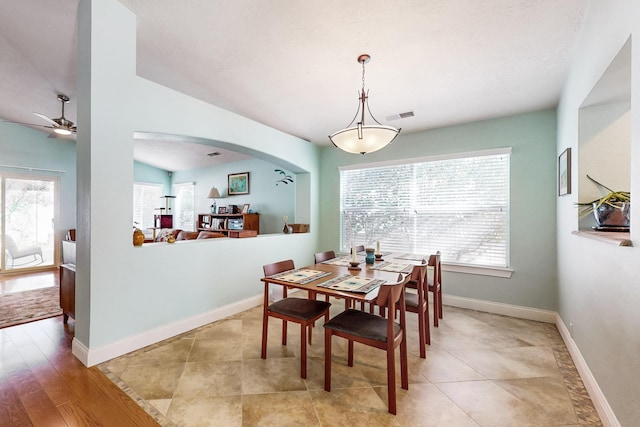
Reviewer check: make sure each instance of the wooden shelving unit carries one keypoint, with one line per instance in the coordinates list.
(221, 222)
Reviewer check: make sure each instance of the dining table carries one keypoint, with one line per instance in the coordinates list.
(335, 279)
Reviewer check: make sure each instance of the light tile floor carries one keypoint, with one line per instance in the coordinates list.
(481, 370)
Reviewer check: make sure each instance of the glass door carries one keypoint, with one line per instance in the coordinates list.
(28, 222)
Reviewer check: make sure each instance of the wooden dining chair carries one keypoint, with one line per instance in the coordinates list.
(418, 303)
(435, 285)
(322, 257)
(298, 310)
(376, 331)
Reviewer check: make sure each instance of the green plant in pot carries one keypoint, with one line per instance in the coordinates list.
(613, 210)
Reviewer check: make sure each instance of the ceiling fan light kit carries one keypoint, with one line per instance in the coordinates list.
(361, 138)
(61, 125)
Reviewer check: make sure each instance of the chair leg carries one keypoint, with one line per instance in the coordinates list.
(404, 364)
(284, 332)
(327, 360)
(350, 355)
(422, 335)
(427, 328)
(303, 349)
(436, 304)
(265, 321)
(265, 326)
(440, 302)
(391, 379)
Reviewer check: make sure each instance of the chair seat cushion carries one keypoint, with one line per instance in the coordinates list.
(411, 299)
(361, 324)
(299, 308)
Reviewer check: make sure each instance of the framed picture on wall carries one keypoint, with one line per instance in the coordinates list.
(564, 173)
(245, 208)
(238, 183)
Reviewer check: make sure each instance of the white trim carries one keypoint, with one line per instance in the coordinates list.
(517, 311)
(490, 152)
(607, 416)
(94, 356)
(478, 270)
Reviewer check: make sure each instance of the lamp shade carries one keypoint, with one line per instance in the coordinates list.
(213, 193)
(364, 139)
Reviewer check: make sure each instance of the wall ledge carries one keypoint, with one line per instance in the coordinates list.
(618, 239)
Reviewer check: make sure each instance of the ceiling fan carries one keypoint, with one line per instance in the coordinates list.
(61, 125)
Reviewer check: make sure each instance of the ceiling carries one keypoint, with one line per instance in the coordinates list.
(292, 64)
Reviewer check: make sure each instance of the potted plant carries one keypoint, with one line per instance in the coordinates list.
(612, 210)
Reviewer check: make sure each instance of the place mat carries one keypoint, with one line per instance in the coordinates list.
(300, 275)
(347, 282)
(343, 261)
(393, 266)
(412, 257)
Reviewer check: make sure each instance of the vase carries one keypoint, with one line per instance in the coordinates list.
(287, 229)
(613, 214)
(138, 237)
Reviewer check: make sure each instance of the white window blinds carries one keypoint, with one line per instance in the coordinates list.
(185, 213)
(459, 206)
(146, 199)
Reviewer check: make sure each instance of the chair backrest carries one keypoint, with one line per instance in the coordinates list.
(391, 296)
(323, 256)
(277, 267)
(360, 248)
(419, 276)
(434, 261)
(10, 244)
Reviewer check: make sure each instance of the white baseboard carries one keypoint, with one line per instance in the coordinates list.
(519, 312)
(93, 356)
(600, 402)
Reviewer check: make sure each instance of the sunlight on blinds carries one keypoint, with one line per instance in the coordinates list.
(459, 206)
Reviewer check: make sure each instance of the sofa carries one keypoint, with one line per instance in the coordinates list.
(163, 235)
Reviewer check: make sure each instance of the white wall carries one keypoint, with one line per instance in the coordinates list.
(124, 292)
(599, 284)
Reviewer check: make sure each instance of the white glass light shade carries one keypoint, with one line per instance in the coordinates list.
(213, 193)
(62, 131)
(372, 138)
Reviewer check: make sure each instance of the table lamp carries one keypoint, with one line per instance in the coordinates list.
(213, 194)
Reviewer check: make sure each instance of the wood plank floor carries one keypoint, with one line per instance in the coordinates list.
(43, 384)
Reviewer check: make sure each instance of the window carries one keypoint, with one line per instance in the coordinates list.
(459, 206)
(184, 218)
(146, 199)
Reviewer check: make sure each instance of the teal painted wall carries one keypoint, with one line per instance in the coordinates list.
(147, 174)
(271, 201)
(532, 137)
(26, 147)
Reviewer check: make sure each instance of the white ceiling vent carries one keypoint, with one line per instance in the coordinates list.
(399, 116)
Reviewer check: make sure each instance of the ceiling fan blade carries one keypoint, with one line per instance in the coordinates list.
(47, 119)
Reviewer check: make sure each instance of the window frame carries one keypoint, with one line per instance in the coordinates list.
(472, 268)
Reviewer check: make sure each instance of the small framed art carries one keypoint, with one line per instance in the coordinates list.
(222, 210)
(245, 208)
(238, 183)
(564, 173)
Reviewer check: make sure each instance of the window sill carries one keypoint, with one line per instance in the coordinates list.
(618, 239)
(482, 271)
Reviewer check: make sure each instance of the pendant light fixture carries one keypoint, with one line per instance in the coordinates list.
(363, 139)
